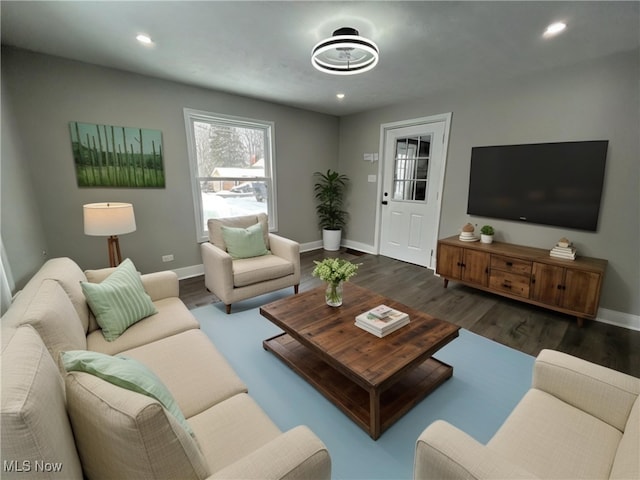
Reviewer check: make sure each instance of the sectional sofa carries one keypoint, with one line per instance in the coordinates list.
(74, 425)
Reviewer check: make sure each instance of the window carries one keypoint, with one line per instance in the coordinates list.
(232, 167)
(411, 168)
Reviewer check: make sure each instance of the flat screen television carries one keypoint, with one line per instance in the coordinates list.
(556, 184)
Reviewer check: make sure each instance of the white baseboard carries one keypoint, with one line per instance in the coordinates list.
(361, 247)
(189, 272)
(619, 319)
(317, 245)
(307, 247)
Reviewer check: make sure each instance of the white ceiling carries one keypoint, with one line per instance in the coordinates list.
(261, 49)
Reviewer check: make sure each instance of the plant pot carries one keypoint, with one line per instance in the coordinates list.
(331, 239)
(486, 238)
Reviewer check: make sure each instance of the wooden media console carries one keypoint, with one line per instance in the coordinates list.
(526, 274)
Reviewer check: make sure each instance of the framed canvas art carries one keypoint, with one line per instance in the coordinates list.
(110, 156)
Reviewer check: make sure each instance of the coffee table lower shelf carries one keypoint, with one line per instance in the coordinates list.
(356, 401)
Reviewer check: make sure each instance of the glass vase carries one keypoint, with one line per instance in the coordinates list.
(333, 294)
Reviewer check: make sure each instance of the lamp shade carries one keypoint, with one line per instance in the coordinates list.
(105, 219)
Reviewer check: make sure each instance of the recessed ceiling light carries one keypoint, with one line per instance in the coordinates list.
(340, 96)
(554, 29)
(144, 39)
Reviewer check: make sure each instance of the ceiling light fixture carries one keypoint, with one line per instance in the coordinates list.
(554, 29)
(345, 53)
(340, 96)
(145, 39)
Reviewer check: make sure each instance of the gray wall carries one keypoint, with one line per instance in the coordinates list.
(22, 228)
(48, 92)
(599, 100)
(42, 205)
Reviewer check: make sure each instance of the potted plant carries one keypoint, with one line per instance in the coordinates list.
(329, 191)
(486, 234)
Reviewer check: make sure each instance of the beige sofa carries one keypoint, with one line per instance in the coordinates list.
(74, 425)
(236, 279)
(578, 421)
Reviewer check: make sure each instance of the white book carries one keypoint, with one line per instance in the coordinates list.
(563, 249)
(563, 255)
(381, 311)
(379, 333)
(382, 324)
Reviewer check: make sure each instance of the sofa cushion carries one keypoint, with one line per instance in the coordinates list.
(67, 273)
(52, 314)
(34, 426)
(142, 439)
(231, 430)
(214, 225)
(244, 242)
(126, 373)
(552, 439)
(172, 317)
(183, 374)
(247, 271)
(119, 301)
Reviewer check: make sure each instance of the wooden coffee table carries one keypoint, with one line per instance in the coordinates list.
(374, 381)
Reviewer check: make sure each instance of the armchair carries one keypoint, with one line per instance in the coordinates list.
(578, 420)
(234, 279)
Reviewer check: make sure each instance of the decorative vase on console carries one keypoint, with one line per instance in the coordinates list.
(334, 271)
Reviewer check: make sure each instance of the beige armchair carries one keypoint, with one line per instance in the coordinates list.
(234, 279)
(578, 420)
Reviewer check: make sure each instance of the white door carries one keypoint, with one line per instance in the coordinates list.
(413, 170)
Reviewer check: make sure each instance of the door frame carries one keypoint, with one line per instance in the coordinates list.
(384, 128)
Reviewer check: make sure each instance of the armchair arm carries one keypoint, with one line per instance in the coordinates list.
(297, 453)
(602, 392)
(287, 249)
(445, 452)
(218, 271)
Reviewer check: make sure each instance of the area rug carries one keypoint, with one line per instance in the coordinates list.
(488, 381)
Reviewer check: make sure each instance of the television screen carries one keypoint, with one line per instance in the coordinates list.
(546, 183)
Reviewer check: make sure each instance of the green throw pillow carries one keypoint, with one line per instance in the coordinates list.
(118, 301)
(126, 373)
(244, 242)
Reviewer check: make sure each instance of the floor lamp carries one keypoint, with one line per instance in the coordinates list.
(109, 220)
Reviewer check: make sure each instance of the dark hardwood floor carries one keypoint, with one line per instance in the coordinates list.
(520, 326)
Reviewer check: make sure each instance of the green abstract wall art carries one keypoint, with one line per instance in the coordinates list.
(109, 156)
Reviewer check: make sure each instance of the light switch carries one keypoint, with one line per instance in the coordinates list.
(372, 178)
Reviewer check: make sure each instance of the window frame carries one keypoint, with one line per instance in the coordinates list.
(190, 117)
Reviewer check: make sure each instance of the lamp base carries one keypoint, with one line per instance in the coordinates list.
(115, 258)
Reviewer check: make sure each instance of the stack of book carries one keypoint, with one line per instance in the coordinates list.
(382, 320)
(563, 249)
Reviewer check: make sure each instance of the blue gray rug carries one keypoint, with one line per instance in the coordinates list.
(488, 381)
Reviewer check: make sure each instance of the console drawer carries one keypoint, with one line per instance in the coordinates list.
(510, 264)
(510, 283)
